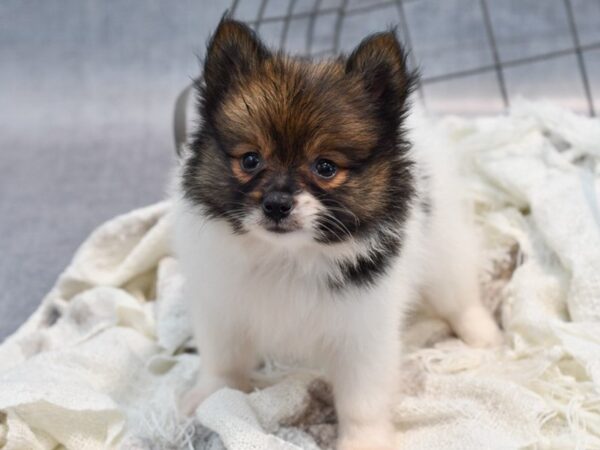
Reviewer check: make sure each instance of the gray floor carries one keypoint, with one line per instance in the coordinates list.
(86, 92)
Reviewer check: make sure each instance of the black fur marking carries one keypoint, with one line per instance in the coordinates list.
(213, 168)
(366, 270)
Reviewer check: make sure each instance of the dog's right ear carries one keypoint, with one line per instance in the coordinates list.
(380, 60)
(233, 50)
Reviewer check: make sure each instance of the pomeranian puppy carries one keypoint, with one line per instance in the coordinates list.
(309, 218)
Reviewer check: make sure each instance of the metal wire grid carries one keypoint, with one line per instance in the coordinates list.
(345, 9)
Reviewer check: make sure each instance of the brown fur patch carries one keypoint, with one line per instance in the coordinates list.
(338, 180)
(294, 113)
(238, 172)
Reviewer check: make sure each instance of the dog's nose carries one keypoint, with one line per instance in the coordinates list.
(277, 205)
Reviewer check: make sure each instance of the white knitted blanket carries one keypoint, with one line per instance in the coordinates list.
(101, 362)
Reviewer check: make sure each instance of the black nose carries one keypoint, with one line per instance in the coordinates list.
(277, 205)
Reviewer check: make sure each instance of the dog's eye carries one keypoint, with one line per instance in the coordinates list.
(250, 161)
(325, 168)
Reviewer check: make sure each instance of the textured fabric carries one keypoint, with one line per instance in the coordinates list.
(101, 363)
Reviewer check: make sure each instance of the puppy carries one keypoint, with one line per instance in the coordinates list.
(309, 219)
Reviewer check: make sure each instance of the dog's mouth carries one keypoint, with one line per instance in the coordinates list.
(278, 229)
(281, 227)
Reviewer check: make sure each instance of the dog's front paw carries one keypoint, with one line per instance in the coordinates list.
(364, 444)
(191, 399)
(370, 438)
(477, 328)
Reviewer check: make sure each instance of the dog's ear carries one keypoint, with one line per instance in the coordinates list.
(380, 61)
(233, 50)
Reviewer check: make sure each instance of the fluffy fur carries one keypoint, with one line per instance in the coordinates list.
(330, 282)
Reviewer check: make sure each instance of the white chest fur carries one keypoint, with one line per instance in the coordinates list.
(279, 300)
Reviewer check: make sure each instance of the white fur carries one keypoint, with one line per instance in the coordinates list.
(261, 293)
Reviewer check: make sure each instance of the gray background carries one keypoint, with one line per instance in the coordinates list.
(87, 88)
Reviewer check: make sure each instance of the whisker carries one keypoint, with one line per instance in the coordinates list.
(340, 207)
(337, 221)
(350, 213)
(339, 226)
(328, 229)
(326, 221)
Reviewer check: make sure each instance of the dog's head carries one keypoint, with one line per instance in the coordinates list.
(290, 147)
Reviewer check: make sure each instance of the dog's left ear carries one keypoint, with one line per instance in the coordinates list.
(234, 50)
(380, 61)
